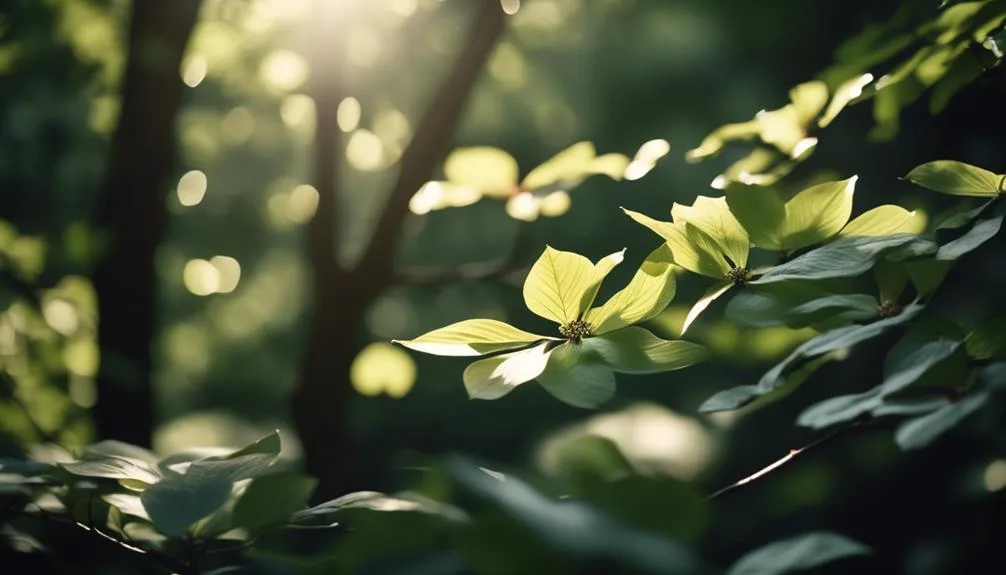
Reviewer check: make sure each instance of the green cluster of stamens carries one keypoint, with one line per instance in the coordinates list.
(575, 330)
(739, 276)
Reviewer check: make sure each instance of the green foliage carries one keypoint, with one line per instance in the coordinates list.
(796, 554)
(577, 367)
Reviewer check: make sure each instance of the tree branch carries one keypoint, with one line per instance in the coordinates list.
(326, 90)
(792, 455)
(432, 138)
(479, 271)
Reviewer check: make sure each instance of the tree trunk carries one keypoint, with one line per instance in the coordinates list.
(133, 211)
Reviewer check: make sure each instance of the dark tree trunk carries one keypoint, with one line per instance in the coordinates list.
(341, 297)
(133, 211)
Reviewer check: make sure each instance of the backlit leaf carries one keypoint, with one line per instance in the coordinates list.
(882, 221)
(489, 170)
(845, 92)
(817, 213)
(555, 286)
(956, 178)
(707, 298)
(686, 253)
(601, 270)
(574, 161)
(648, 293)
(494, 377)
(271, 500)
(761, 211)
(712, 216)
(471, 337)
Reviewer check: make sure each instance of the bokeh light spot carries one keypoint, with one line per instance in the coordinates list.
(522, 207)
(61, 316)
(191, 188)
(383, 368)
(510, 7)
(297, 111)
(391, 317)
(228, 273)
(81, 356)
(348, 114)
(302, 203)
(283, 70)
(365, 151)
(201, 277)
(238, 125)
(995, 475)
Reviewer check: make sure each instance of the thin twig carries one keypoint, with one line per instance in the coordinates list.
(793, 454)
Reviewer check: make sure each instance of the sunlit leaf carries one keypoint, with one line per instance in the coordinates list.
(797, 554)
(601, 270)
(846, 92)
(714, 142)
(574, 376)
(956, 178)
(809, 99)
(374, 501)
(712, 216)
(611, 165)
(127, 504)
(691, 255)
(647, 294)
(471, 337)
(114, 467)
(555, 286)
(573, 162)
(782, 128)
(920, 432)
(636, 350)
(438, 195)
(817, 213)
(489, 170)
(760, 211)
(882, 221)
(494, 377)
(707, 298)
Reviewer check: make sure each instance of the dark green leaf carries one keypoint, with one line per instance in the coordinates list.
(576, 528)
(798, 553)
(658, 504)
(988, 340)
(921, 431)
(845, 257)
(271, 500)
(981, 232)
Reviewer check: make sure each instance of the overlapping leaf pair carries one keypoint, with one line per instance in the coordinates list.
(595, 341)
(713, 236)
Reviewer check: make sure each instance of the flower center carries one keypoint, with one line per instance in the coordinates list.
(739, 276)
(575, 330)
(889, 309)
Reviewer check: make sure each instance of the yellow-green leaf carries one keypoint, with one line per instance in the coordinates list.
(701, 305)
(471, 337)
(601, 271)
(648, 293)
(760, 211)
(714, 142)
(574, 161)
(882, 221)
(817, 213)
(712, 216)
(494, 377)
(845, 92)
(809, 99)
(556, 285)
(611, 165)
(489, 170)
(957, 179)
